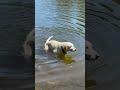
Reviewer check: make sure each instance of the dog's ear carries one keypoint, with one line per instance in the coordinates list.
(64, 49)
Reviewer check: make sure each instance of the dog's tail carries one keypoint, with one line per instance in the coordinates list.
(46, 46)
(49, 39)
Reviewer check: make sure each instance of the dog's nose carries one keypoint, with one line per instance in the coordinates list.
(75, 49)
(97, 56)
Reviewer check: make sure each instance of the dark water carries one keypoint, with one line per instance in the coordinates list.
(16, 20)
(103, 30)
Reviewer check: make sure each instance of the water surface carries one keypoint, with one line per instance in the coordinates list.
(103, 30)
(16, 20)
(65, 20)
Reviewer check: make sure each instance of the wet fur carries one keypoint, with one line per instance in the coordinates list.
(58, 47)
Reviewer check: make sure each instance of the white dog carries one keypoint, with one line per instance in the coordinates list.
(90, 53)
(58, 47)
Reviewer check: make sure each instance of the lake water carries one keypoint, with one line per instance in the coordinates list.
(65, 20)
(103, 30)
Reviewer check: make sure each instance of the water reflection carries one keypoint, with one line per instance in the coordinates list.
(65, 20)
(55, 13)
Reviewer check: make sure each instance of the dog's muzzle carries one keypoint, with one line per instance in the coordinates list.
(73, 50)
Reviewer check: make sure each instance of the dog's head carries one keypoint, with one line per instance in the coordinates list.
(90, 53)
(68, 46)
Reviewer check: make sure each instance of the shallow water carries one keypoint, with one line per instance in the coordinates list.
(65, 20)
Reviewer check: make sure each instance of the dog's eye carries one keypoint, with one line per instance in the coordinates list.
(86, 47)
